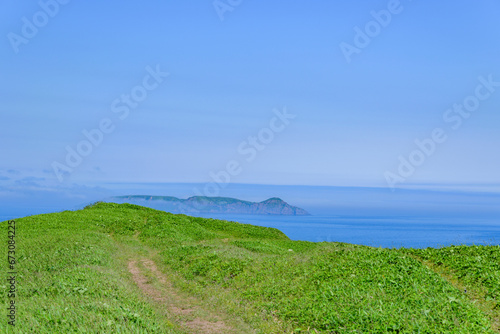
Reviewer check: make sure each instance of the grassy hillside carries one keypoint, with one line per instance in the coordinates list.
(127, 269)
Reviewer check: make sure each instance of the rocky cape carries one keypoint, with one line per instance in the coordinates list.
(203, 204)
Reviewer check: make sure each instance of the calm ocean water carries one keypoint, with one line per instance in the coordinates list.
(415, 232)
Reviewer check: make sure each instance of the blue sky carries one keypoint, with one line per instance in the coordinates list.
(228, 79)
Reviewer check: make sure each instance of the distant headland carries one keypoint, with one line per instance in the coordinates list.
(203, 204)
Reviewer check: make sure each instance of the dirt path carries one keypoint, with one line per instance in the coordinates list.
(156, 285)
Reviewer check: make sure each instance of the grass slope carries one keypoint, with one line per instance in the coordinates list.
(73, 278)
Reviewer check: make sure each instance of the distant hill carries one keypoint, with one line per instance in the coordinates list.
(203, 204)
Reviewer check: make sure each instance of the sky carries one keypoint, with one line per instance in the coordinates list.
(324, 93)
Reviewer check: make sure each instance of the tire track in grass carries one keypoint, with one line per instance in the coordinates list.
(474, 294)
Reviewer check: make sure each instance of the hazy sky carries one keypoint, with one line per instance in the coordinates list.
(307, 92)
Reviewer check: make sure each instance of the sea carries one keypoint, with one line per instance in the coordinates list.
(371, 216)
(379, 230)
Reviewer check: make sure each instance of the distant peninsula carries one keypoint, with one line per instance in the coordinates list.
(203, 204)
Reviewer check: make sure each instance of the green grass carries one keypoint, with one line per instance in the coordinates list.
(476, 266)
(73, 278)
(69, 281)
